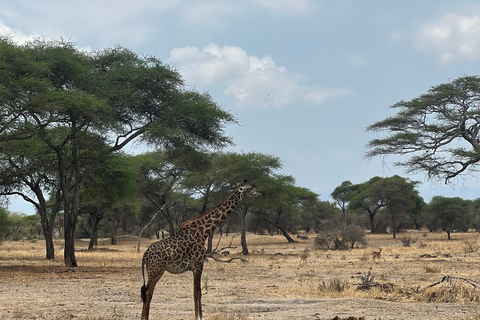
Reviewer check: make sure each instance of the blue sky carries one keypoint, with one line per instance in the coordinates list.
(303, 77)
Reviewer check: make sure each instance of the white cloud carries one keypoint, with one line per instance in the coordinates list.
(129, 22)
(17, 35)
(323, 94)
(452, 37)
(110, 20)
(250, 80)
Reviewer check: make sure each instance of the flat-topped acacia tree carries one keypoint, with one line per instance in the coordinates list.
(79, 106)
(437, 132)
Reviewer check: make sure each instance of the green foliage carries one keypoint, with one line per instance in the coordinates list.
(22, 227)
(4, 224)
(76, 108)
(282, 208)
(112, 181)
(396, 195)
(438, 130)
(367, 197)
(314, 212)
(449, 213)
(342, 195)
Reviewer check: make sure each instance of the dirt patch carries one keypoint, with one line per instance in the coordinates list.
(267, 286)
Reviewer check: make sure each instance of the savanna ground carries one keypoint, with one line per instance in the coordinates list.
(274, 282)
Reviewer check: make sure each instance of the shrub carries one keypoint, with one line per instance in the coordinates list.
(470, 247)
(343, 238)
(407, 240)
(334, 284)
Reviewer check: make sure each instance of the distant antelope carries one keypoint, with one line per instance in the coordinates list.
(304, 255)
(377, 254)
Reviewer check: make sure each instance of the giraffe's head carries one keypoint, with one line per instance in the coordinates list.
(250, 190)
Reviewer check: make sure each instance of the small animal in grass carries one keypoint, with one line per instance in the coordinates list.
(304, 255)
(377, 254)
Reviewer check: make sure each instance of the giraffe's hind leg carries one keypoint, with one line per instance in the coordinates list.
(147, 291)
(197, 289)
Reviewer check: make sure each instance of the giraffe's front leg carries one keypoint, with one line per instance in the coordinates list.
(197, 289)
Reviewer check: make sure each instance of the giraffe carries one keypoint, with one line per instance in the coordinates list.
(185, 250)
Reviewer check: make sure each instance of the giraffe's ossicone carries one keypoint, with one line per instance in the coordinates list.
(185, 250)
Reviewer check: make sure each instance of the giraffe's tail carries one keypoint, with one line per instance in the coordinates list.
(143, 291)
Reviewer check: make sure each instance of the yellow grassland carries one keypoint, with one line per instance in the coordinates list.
(276, 276)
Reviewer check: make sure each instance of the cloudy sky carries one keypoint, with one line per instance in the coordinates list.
(303, 77)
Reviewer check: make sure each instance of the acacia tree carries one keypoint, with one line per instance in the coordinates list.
(281, 209)
(28, 167)
(224, 172)
(161, 176)
(452, 213)
(342, 196)
(395, 194)
(314, 213)
(83, 106)
(438, 131)
(26, 170)
(398, 194)
(111, 186)
(368, 196)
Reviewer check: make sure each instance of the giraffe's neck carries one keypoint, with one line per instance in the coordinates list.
(205, 224)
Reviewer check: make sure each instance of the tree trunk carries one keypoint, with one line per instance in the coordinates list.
(394, 224)
(94, 237)
(283, 231)
(243, 241)
(345, 214)
(71, 210)
(166, 214)
(371, 215)
(47, 229)
(50, 249)
(47, 226)
(70, 220)
(113, 240)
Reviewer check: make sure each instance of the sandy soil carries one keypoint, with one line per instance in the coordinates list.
(268, 286)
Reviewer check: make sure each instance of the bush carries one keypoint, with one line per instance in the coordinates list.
(334, 284)
(22, 226)
(343, 238)
(407, 240)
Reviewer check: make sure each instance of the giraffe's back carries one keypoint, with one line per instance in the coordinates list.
(174, 254)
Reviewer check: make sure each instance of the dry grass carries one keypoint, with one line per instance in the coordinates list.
(106, 285)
